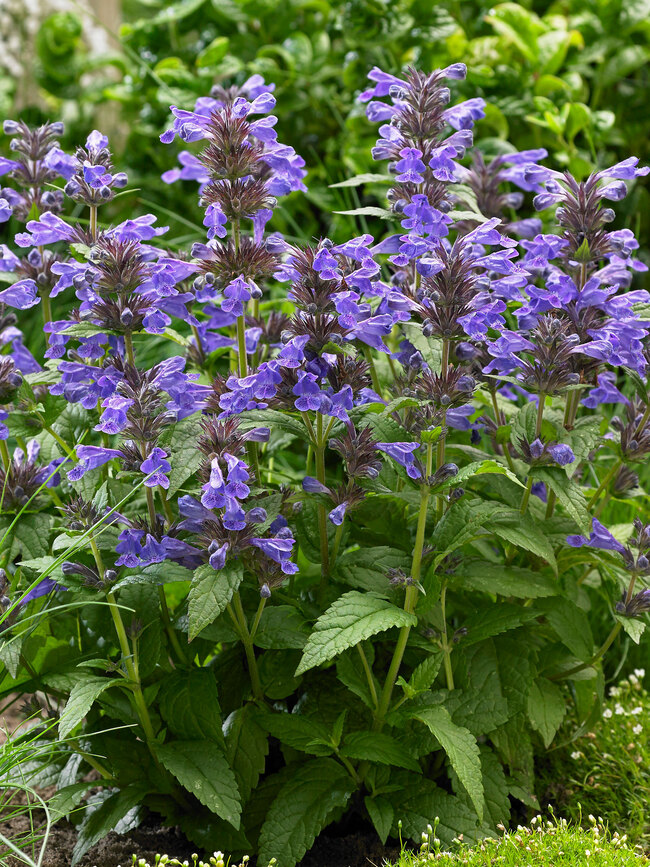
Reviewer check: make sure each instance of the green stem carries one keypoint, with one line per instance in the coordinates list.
(410, 598)
(169, 628)
(449, 674)
(538, 430)
(93, 222)
(165, 504)
(241, 347)
(134, 680)
(644, 420)
(47, 308)
(258, 617)
(66, 448)
(337, 541)
(604, 484)
(128, 346)
(245, 636)
(6, 460)
(603, 649)
(322, 513)
(369, 677)
(373, 370)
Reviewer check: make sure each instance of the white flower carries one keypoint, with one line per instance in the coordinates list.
(607, 712)
(639, 672)
(618, 709)
(614, 691)
(576, 754)
(636, 711)
(637, 729)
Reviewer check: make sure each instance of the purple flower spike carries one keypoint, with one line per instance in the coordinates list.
(337, 515)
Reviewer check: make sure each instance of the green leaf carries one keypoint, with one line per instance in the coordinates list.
(282, 627)
(210, 593)
(298, 732)
(546, 708)
(523, 532)
(113, 814)
(189, 705)
(419, 801)
(367, 568)
(496, 619)
(377, 747)
(352, 618)
(461, 523)
(633, 627)
(214, 52)
(368, 211)
(461, 748)
(81, 699)
(571, 625)
(504, 580)
(180, 442)
(426, 672)
(359, 180)
(247, 747)
(350, 672)
(202, 768)
(381, 814)
(273, 419)
(568, 493)
(302, 808)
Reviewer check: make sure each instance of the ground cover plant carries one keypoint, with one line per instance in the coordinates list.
(605, 769)
(540, 844)
(295, 535)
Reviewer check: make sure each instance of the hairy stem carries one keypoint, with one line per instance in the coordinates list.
(449, 674)
(128, 348)
(604, 484)
(538, 430)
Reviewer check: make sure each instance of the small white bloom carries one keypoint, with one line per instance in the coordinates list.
(607, 712)
(639, 672)
(637, 729)
(576, 754)
(618, 709)
(636, 711)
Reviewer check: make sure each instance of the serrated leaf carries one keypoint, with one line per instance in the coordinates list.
(350, 672)
(81, 699)
(419, 801)
(298, 732)
(425, 673)
(352, 618)
(302, 809)
(210, 593)
(632, 627)
(202, 768)
(461, 523)
(377, 747)
(273, 419)
(571, 624)
(568, 493)
(505, 580)
(496, 619)
(381, 814)
(247, 746)
(189, 705)
(461, 748)
(367, 568)
(546, 708)
(523, 532)
(282, 627)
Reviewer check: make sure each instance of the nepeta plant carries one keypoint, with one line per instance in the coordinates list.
(300, 534)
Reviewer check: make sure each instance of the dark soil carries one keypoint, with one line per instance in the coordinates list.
(352, 850)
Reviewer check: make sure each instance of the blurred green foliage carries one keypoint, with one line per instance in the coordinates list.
(571, 76)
